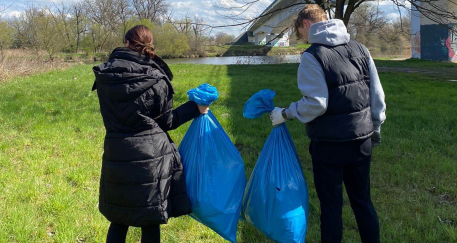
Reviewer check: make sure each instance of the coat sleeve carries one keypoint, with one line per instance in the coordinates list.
(172, 119)
(312, 84)
(183, 114)
(169, 118)
(377, 98)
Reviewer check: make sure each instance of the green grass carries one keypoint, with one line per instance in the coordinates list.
(51, 142)
(417, 64)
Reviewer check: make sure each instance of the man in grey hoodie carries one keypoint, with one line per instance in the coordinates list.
(343, 108)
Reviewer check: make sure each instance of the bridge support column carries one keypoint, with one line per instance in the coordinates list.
(260, 38)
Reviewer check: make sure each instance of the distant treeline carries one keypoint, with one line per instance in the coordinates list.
(93, 26)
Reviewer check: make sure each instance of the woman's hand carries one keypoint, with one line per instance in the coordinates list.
(203, 109)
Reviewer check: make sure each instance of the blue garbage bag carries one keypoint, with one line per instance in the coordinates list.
(214, 169)
(259, 104)
(204, 94)
(276, 197)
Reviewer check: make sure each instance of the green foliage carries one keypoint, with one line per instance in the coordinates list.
(169, 42)
(133, 22)
(223, 38)
(49, 34)
(6, 35)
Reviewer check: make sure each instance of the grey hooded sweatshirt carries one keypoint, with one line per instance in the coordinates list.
(311, 78)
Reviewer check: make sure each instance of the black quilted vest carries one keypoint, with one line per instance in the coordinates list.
(348, 115)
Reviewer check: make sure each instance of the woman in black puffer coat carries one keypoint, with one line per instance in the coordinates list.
(142, 181)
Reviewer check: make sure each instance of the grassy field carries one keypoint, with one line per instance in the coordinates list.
(51, 136)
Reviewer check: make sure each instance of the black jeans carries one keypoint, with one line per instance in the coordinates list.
(348, 162)
(117, 234)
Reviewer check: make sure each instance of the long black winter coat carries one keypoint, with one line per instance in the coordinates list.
(142, 181)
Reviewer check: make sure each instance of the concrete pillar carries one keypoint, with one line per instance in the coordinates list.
(271, 39)
(415, 32)
(260, 38)
(438, 42)
(277, 40)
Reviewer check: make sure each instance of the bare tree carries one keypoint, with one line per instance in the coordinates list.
(26, 27)
(80, 23)
(435, 11)
(365, 22)
(369, 26)
(5, 7)
(50, 30)
(39, 29)
(223, 38)
(182, 26)
(125, 13)
(198, 34)
(103, 12)
(395, 37)
(339, 9)
(104, 18)
(62, 16)
(150, 9)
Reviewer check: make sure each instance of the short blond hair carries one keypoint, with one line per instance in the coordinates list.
(311, 12)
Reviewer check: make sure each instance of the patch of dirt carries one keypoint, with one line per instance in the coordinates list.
(244, 149)
(445, 199)
(404, 70)
(444, 74)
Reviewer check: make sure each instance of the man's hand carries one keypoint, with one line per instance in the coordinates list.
(375, 139)
(276, 116)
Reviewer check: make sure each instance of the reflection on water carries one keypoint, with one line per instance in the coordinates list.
(242, 60)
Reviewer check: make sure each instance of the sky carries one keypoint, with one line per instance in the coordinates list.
(205, 9)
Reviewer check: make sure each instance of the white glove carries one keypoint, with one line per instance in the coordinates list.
(276, 116)
(375, 139)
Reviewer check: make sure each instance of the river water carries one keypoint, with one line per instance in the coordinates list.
(243, 60)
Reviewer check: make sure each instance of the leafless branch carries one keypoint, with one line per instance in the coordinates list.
(3, 8)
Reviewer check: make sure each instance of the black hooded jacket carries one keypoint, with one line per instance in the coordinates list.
(142, 181)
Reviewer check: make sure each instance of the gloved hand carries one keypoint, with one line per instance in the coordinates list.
(375, 139)
(276, 116)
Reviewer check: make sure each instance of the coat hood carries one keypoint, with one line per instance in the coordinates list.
(331, 33)
(128, 74)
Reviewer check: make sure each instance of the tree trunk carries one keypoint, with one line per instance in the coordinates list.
(1, 54)
(351, 7)
(339, 9)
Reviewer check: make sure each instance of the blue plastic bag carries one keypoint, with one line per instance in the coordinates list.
(276, 197)
(205, 94)
(259, 104)
(214, 170)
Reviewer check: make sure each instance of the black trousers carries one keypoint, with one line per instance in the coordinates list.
(348, 163)
(117, 233)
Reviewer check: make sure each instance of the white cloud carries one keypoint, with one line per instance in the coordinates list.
(206, 9)
(10, 14)
(393, 16)
(383, 2)
(213, 12)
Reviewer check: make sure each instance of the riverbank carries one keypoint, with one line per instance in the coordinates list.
(252, 50)
(24, 62)
(209, 51)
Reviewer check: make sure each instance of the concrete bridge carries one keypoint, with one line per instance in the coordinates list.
(273, 28)
(429, 39)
